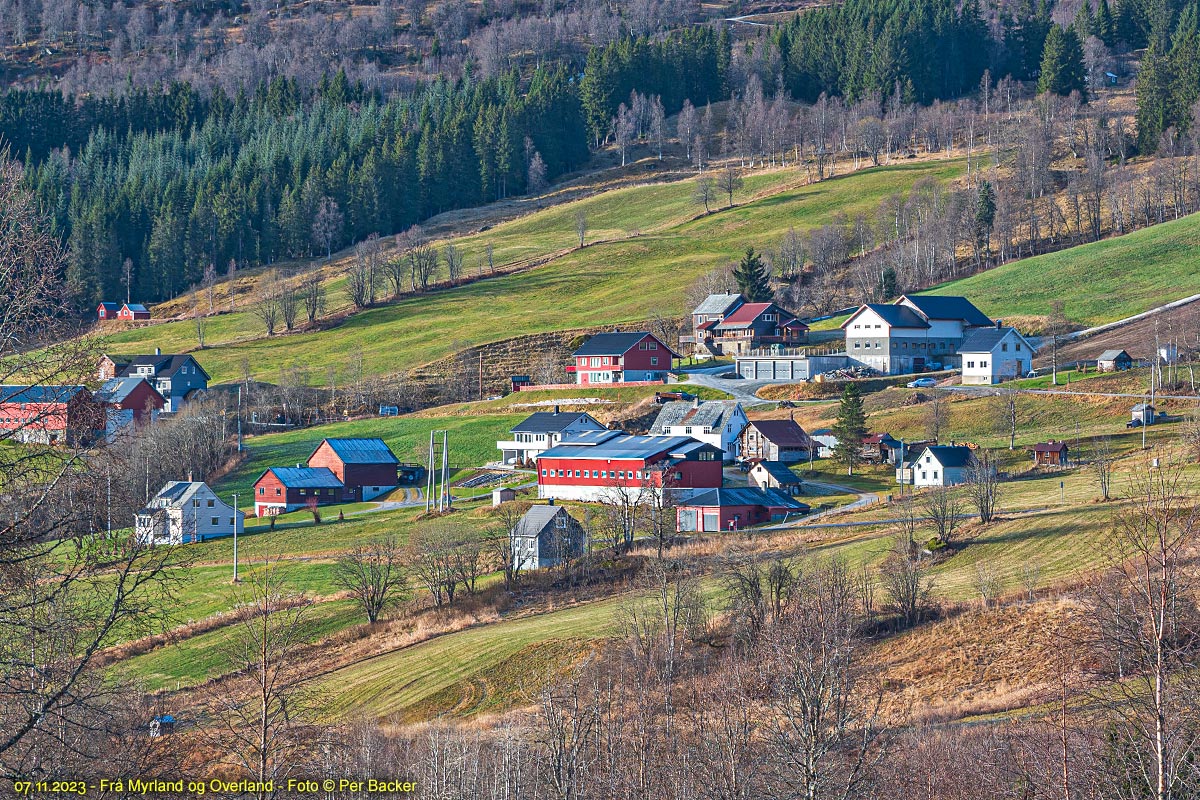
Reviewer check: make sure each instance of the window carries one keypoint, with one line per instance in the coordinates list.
(262, 490)
(231, 521)
(595, 473)
(621, 473)
(560, 522)
(576, 473)
(707, 455)
(196, 503)
(856, 345)
(543, 473)
(653, 345)
(654, 361)
(923, 477)
(935, 475)
(1018, 347)
(970, 365)
(643, 345)
(688, 430)
(639, 474)
(560, 473)
(216, 521)
(278, 491)
(1004, 347)
(211, 503)
(771, 318)
(595, 361)
(983, 363)
(878, 327)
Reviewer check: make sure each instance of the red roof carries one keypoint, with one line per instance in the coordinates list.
(746, 313)
(782, 432)
(1049, 447)
(703, 326)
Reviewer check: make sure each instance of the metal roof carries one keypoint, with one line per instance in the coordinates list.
(39, 394)
(984, 340)
(537, 518)
(552, 422)
(710, 413)
(305, 477)
(744, 315)
(137, 307)
(361, 451)
(1113, 355)
(624, 446)
(946, 455)
(782, 432)
(1049, 447)
(117, 390)
(895, 316)
(719, 304)
(165, 364)
(779, 471)
(745, 496)
(934, 306)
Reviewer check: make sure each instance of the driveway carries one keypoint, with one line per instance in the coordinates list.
(742, 390)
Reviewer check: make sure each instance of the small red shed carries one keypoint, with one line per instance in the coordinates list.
(1051, 454)
(283, 489)
(107, 311)
(133, 311)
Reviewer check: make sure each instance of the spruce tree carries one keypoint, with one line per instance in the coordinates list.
(753, 280)
(1062, 64)
(850, 429)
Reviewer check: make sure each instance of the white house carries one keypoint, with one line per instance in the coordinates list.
(544, 536)
(992, 355)
(186, 511)
(937, 465)
(912, 334)
(543, 430)
(715, 422)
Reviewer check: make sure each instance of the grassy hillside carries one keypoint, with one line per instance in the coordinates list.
(605, 283)
(1098, 282)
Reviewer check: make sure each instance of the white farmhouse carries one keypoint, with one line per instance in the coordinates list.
(715, 422)
(543, 430)
(912, 334)
(938, 465)
(992, 355)
(186, 511)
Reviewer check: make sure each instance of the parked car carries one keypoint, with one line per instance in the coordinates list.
(786, 404)
(922, 383)
(1133, 423)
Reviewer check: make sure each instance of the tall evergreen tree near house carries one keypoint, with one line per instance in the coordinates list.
(753, 280)
(850, 428)
(1153, 99)
(1062, 64)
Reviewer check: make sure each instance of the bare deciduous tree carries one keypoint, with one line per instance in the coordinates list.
(1103, 464)
(937, 415)
(374, 575)
(581, 227)
(983, 484)
(728, 182)
(454, 262)
(267, 304)
(904, 580)
(943, 505)
(312, 292)
(327, 225)
(704, 192)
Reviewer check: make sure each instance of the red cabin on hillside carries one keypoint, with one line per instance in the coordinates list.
(133, 311)
(107, 311)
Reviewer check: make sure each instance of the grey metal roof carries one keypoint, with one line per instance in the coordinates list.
(984, 340)
(624, 445)
(745, 496)
(362, 451)
(610, 344)
(305, 477)
(719, 304)
(779, 471)
(710, 413)
(175, 493)
(1112, 355)
(535, 520)
(116, 390)
(39, 394)
(946, 455)
(947, 307)
(782, 432)
(165, 365)
(896, 316)
(551, 422)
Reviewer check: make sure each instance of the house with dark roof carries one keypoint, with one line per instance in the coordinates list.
(716, 422)
(50, 415)
(734, 509)
(937, 465)
(775, 475)
(178, 378)
(913, 334)
(366, 467)
(1114, 361)
(995, 354)
(107, 311)
(282, 489)
(622, 358)
(881, 448)
(594, 465)
(753, 326)
(133, 311)
(545, 536)
(712, 310)
(1051, 454)
(185, 512)
(543, 430)
(126, 401)
(774, 440)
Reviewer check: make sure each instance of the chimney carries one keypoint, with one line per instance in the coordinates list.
(696, 401)
(999, 324)
(556, 409)
(550, 502)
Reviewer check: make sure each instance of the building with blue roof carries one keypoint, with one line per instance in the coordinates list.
(282, 489)
(367, 467)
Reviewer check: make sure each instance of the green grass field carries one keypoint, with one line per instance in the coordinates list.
(606, 283)
(1098, 282)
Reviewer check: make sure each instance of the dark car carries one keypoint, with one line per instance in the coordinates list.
(1133, 423)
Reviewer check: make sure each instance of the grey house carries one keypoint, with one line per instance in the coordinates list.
(1114, 361)
(178, 378)
(545, 536)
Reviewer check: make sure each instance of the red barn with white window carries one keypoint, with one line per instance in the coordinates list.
(283, 489)
(589, 465)
(107, 311)
(622, 358)
(133, 311)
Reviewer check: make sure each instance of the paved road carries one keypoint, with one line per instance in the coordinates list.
(862, 500)
(744, 391)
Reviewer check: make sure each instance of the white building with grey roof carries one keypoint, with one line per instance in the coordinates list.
(913, 334)
(715, 422)
(542, 430)
(184, 512)
(992, 355)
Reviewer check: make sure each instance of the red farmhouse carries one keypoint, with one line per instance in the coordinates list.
(622, 358)
(588, 465)
(127, 400)
(734, 509)
(107, 311)
(133, 311)
(365, 466)
(49, 414)
(282, 489)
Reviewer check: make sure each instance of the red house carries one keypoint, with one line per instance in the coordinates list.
(128, 400)
(590, 464)
(133, 311)
(365, 466)
(622, 358)
(283, 489)
(107, 311)
(734, 509)
(52, 415)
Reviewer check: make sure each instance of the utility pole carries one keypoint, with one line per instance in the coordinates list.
(480, 374)
(444, 497)
(235, 527)
(239, 415)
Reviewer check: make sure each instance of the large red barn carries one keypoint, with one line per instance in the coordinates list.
(590, 464)
(367, 466)
(57, 415)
